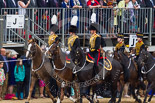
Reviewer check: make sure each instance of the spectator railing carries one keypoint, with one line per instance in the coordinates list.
(111, 21)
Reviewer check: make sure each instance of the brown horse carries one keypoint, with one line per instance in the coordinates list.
(131, 69)
(41, 68)
(62, 69)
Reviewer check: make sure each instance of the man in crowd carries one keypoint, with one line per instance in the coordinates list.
(3, 4)
(5, 67)
(12, 4)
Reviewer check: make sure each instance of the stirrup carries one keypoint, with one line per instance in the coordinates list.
(97, 77)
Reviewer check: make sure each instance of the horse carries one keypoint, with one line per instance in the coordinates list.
(41, 69)
(148, 69)
(131, 68)
(63, 69)
(85, 73)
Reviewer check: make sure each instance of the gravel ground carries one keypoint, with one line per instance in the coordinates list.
(47, 100)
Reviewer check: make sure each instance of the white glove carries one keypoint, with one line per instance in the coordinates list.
(87, 50)
(67, 52)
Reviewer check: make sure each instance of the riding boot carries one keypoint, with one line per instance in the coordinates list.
(140, 75)
(95, 72)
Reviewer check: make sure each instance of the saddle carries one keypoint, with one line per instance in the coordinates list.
(102, 61)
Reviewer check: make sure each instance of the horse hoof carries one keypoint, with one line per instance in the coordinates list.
(26, 102)
(139, 101)
(98, 101)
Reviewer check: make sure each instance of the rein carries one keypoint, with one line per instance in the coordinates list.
(129, 64)
(43, 60)
(57, 68)
(148, 70)
(74, 70)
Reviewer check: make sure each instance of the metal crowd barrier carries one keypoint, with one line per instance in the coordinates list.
(111, 21)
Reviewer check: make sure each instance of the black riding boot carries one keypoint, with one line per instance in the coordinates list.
(95, 72)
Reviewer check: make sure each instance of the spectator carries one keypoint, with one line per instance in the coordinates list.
(6, 70)
(75, 4)
(2, 78)
(22, 6)
(3, 4)
(141, 3)
(19, 73)
(54, 3)
(122, 4)
(132, 6)
(150, 3)
(93, 4)
(108, 18)
(12, 4)
(84, 3)
(11, 78)
(65, 4)
(41, 88)
(26, 82)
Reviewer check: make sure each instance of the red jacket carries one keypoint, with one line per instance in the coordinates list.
(92, 4)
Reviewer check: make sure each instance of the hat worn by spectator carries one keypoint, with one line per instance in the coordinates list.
(140, 35)
(93, 25)
(73, 26)
(54, 26)
(120, 35)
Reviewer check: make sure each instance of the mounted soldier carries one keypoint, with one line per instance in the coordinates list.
(54, 28)
(94, 42)
(139, 46)
(73, 40)
(120, 46)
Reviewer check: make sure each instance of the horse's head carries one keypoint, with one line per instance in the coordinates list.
(31, 49)
(54, 50)
(77, 58)
(143, 56)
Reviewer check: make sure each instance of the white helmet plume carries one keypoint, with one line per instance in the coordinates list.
(74, 21)
(54, 19)
(93, 18)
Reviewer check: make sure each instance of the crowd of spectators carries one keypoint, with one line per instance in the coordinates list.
(15, 76)
(111, 20)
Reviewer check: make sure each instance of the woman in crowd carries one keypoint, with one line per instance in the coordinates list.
(2, 78)
(11, 80)
(19, 73)
(22, 6)
(41, 88)
(93, 4)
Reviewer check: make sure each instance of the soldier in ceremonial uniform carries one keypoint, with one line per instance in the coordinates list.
(54, 28)
(139, 46)
(94, 42)
(73, 40)
(120, 46)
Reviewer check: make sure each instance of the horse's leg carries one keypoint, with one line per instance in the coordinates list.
(149, 100)
(90, 100)
(134, 95)
(121, 92)
(33, 81)
(59, 93)
(62, 93)
(114, 92)
(148, 90)
(49, 93)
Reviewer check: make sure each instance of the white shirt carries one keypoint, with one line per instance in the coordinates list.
(131, 5)
(21, 11)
